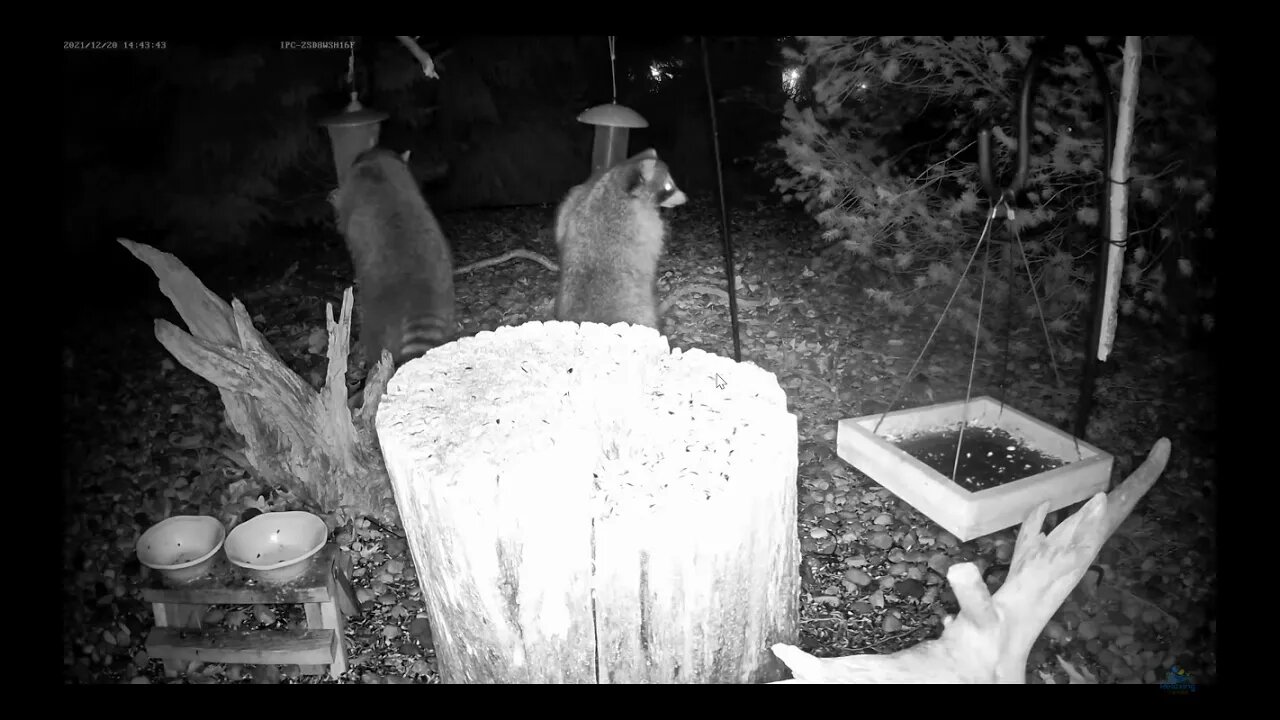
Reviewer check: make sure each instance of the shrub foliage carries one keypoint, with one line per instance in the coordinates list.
(880, 146)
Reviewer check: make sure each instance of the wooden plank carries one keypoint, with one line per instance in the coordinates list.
(314, 620)
(273, 647)
(1002, 506)
(178, 614)
(1034, 432)
(328, 615)
(230, 585)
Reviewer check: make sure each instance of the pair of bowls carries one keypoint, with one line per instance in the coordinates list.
(274, 547)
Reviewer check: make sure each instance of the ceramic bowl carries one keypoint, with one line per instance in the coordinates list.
(277, 547)
(181, 548)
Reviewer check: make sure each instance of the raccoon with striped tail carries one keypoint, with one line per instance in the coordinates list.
(403, 266)
(609, 235)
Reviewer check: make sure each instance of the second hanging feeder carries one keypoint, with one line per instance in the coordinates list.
(613, 131)
(613, 124)
(351, 132)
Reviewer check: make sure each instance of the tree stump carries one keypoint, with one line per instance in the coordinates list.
(584, 505)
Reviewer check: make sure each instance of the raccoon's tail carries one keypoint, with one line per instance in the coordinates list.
(420, 333)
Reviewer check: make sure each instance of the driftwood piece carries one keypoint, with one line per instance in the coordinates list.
(294, 436)
(989, 641)
(509, 255)
(702, 289)
(584, 505)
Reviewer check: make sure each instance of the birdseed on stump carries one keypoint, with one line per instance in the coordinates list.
(585, 505)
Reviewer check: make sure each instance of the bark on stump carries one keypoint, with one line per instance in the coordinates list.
(584, 505)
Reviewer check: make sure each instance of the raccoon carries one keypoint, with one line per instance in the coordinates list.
(609, 235)
(402, 260)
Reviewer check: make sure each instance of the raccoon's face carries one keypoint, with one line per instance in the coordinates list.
(647, 176)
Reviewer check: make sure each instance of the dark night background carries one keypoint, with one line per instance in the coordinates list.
(213, 152)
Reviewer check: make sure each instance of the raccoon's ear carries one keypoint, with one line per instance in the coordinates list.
(405, 156)
(637, 175)
(647, 153)
(647, 168)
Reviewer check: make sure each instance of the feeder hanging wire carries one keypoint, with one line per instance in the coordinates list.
(613, 70)
(986, 229)
(973, 361)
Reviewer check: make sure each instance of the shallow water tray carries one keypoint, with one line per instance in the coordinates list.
(1086, 470)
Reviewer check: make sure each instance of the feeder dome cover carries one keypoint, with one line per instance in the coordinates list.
(355, 114)
(613, 115)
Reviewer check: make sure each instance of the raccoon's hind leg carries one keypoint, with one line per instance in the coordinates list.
(380, 327)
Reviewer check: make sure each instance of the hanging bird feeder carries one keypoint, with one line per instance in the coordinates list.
(613, 125)
(352, 132)
(613, 130)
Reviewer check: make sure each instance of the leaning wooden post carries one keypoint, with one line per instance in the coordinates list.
(1118, 190)
(584, 505)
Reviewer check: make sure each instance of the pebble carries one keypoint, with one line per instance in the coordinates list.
(909, 588)
(1055, 632)
(939, 563)
(857, 577)
(883, 519)
(881, 540)
(1004, 551)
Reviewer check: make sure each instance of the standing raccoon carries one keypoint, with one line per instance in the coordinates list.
(609, 235)
(402, 261)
